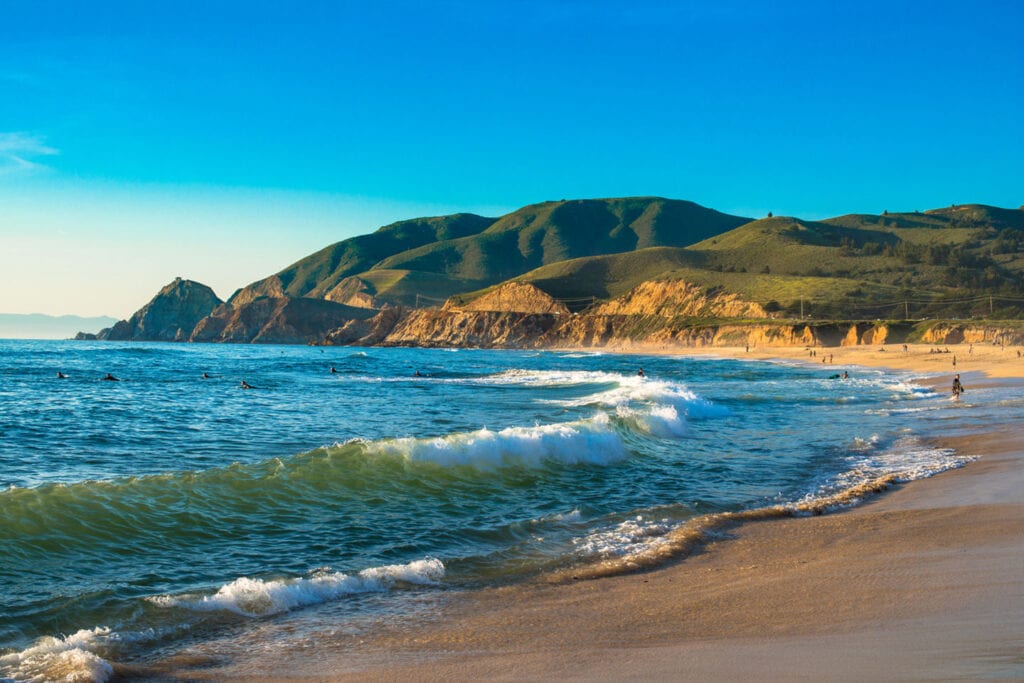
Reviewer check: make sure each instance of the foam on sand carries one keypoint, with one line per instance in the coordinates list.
(639, 543)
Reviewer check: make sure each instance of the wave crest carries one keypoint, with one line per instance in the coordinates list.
(71, 658)
(591, 442)
(258, 597)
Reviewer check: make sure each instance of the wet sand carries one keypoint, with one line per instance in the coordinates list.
(924, 582)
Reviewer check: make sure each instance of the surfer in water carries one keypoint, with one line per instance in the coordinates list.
(333, 371)
(246, 385)
(957, 387)
(110, 378)
(61, 375)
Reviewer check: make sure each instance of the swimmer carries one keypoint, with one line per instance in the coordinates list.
(846, 375)
(61, 375)
(333, 371)
(957, 387)
(246, 385)
(640, 372)
(110, 378)
(206, 376)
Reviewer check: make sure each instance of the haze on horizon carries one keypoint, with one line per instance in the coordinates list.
(222, 141)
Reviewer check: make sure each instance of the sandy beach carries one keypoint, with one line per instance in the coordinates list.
(922, 582)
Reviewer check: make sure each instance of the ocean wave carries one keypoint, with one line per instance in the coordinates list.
(646, 391)
(662, 421)
(592, 442)
(72, 658)
(552, 378)
(258, 597)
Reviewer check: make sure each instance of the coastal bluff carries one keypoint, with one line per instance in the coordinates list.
(171, 315)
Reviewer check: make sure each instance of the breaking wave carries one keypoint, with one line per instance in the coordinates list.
(258, 597)
(592, 442)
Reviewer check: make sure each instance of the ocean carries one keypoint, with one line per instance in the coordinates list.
(168, 518)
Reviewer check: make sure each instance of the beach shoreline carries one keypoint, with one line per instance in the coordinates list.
(923, 582)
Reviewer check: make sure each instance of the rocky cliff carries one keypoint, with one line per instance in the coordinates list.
(276, 320)
(521, 316)
(511, 297)
(671, 298)
(169, 316)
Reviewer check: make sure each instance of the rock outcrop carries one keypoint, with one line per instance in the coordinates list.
(276, 320)
(169, 316)
(947, 333)
(511, 297)
(672, 298)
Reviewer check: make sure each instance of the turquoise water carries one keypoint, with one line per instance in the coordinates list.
(157, 515)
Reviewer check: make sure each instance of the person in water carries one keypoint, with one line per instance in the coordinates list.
(246, 385)
(206, 376)
(640, 372)
(110, 378)
(61, 375)
(333, 371)
(957, 387)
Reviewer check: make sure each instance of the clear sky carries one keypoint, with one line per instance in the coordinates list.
(221, 141)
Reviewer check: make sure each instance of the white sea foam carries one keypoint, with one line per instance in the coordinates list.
(591, 442)
(908, 459)
(72, 658)
(646, 391)
(257, 597)
(630, 537)
(544, 378)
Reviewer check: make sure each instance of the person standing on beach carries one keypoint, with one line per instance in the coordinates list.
(957, 387)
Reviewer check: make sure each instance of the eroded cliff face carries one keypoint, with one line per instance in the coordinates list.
(169, 316)
(492, 329)
(673, 298)
(511, 297)
(945, 333)
(488, 329)
(275, 320)
(518, 315)
(272, 287)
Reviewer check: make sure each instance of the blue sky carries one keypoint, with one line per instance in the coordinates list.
(221, 141)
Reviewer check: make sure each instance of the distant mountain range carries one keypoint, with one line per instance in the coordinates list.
(961, 261)
(39, 326)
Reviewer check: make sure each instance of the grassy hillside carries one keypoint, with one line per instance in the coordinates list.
(551, 232)
(318, 273)
(856, 265)
(937, 262)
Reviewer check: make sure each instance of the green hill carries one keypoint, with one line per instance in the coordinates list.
(931, 263)
(856, 264)
(315, 275)
(550, 232)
